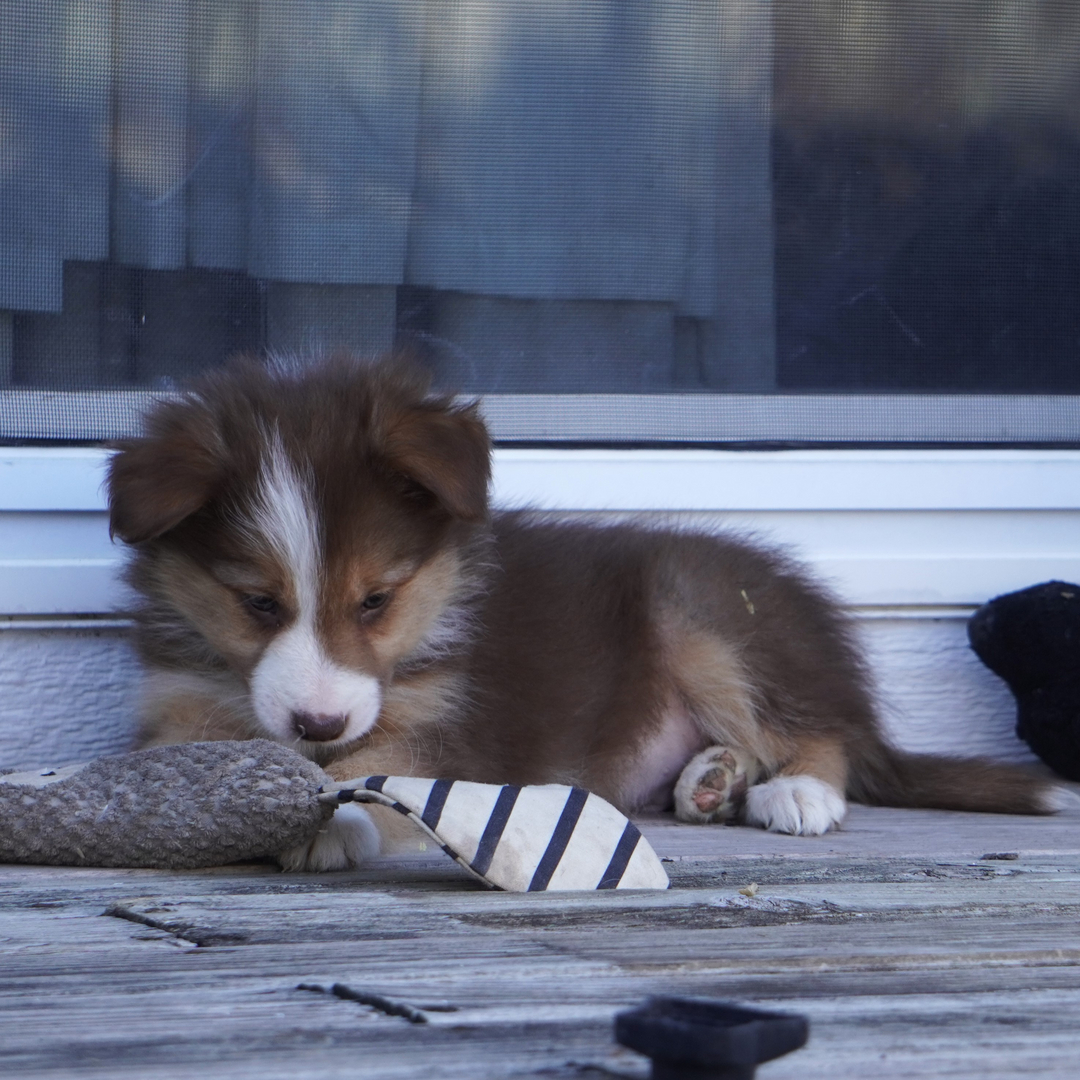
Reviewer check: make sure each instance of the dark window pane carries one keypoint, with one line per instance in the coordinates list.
(619, 198)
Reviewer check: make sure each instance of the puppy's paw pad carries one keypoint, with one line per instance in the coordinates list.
(350, 838)
(801, 805)
(713, 785)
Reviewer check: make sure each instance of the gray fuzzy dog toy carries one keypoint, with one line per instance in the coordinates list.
(208, 804)
(169, 807)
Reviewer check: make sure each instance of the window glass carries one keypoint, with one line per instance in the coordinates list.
(688, 220)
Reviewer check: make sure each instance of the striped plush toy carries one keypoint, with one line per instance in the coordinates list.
(207, 804)
(521, 839)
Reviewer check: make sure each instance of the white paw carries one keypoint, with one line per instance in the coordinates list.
(713, 785)
(803, 805)
(348, 839)
(1057, 798)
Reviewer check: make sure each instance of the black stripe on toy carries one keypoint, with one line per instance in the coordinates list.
(436, 800)
(374, 783)
(575, 803)
(494, 829)
(624, 849)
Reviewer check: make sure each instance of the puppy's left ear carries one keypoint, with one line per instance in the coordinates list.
(447, 452)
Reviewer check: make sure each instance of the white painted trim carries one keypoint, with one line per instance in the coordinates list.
(61, 586)
(925, 530)
(865, 611)
(85, 623)
(73, 478)
(52, 478)
(726, 480)
(929, 612)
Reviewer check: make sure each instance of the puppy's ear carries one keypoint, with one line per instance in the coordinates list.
(447, 452)
(156, 482)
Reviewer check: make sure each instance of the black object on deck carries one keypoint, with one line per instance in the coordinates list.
(704, 1039)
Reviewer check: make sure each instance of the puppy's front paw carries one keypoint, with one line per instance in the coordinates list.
(803, 805)
(713, 785)
(348, 839)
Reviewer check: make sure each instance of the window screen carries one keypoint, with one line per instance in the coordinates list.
(617, 220)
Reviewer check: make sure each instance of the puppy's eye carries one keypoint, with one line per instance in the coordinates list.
(375, 601)
(264, 607)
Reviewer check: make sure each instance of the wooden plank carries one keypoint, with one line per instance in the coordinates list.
(879, 832)
(928, 963)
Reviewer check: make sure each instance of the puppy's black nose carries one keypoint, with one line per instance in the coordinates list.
(318, 727)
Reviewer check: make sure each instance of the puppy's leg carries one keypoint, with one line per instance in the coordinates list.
(713, 786)
(806, 797)
(356, 834)
(349, 839)
(712, 679)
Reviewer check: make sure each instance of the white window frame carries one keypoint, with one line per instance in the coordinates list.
(922, 532)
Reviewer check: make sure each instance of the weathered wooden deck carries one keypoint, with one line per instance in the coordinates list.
(912, 954)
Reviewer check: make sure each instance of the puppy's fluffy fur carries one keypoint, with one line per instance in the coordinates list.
(318, 564)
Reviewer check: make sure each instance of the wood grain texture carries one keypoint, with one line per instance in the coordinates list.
(911, 954)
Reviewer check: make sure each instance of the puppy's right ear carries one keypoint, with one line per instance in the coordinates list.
(158, 481)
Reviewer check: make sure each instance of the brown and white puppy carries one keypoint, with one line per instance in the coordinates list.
(318, 565)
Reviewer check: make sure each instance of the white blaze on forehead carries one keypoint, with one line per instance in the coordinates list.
(284, 517)
(295, 674)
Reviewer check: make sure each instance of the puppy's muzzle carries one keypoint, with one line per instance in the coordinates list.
(318, 727)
